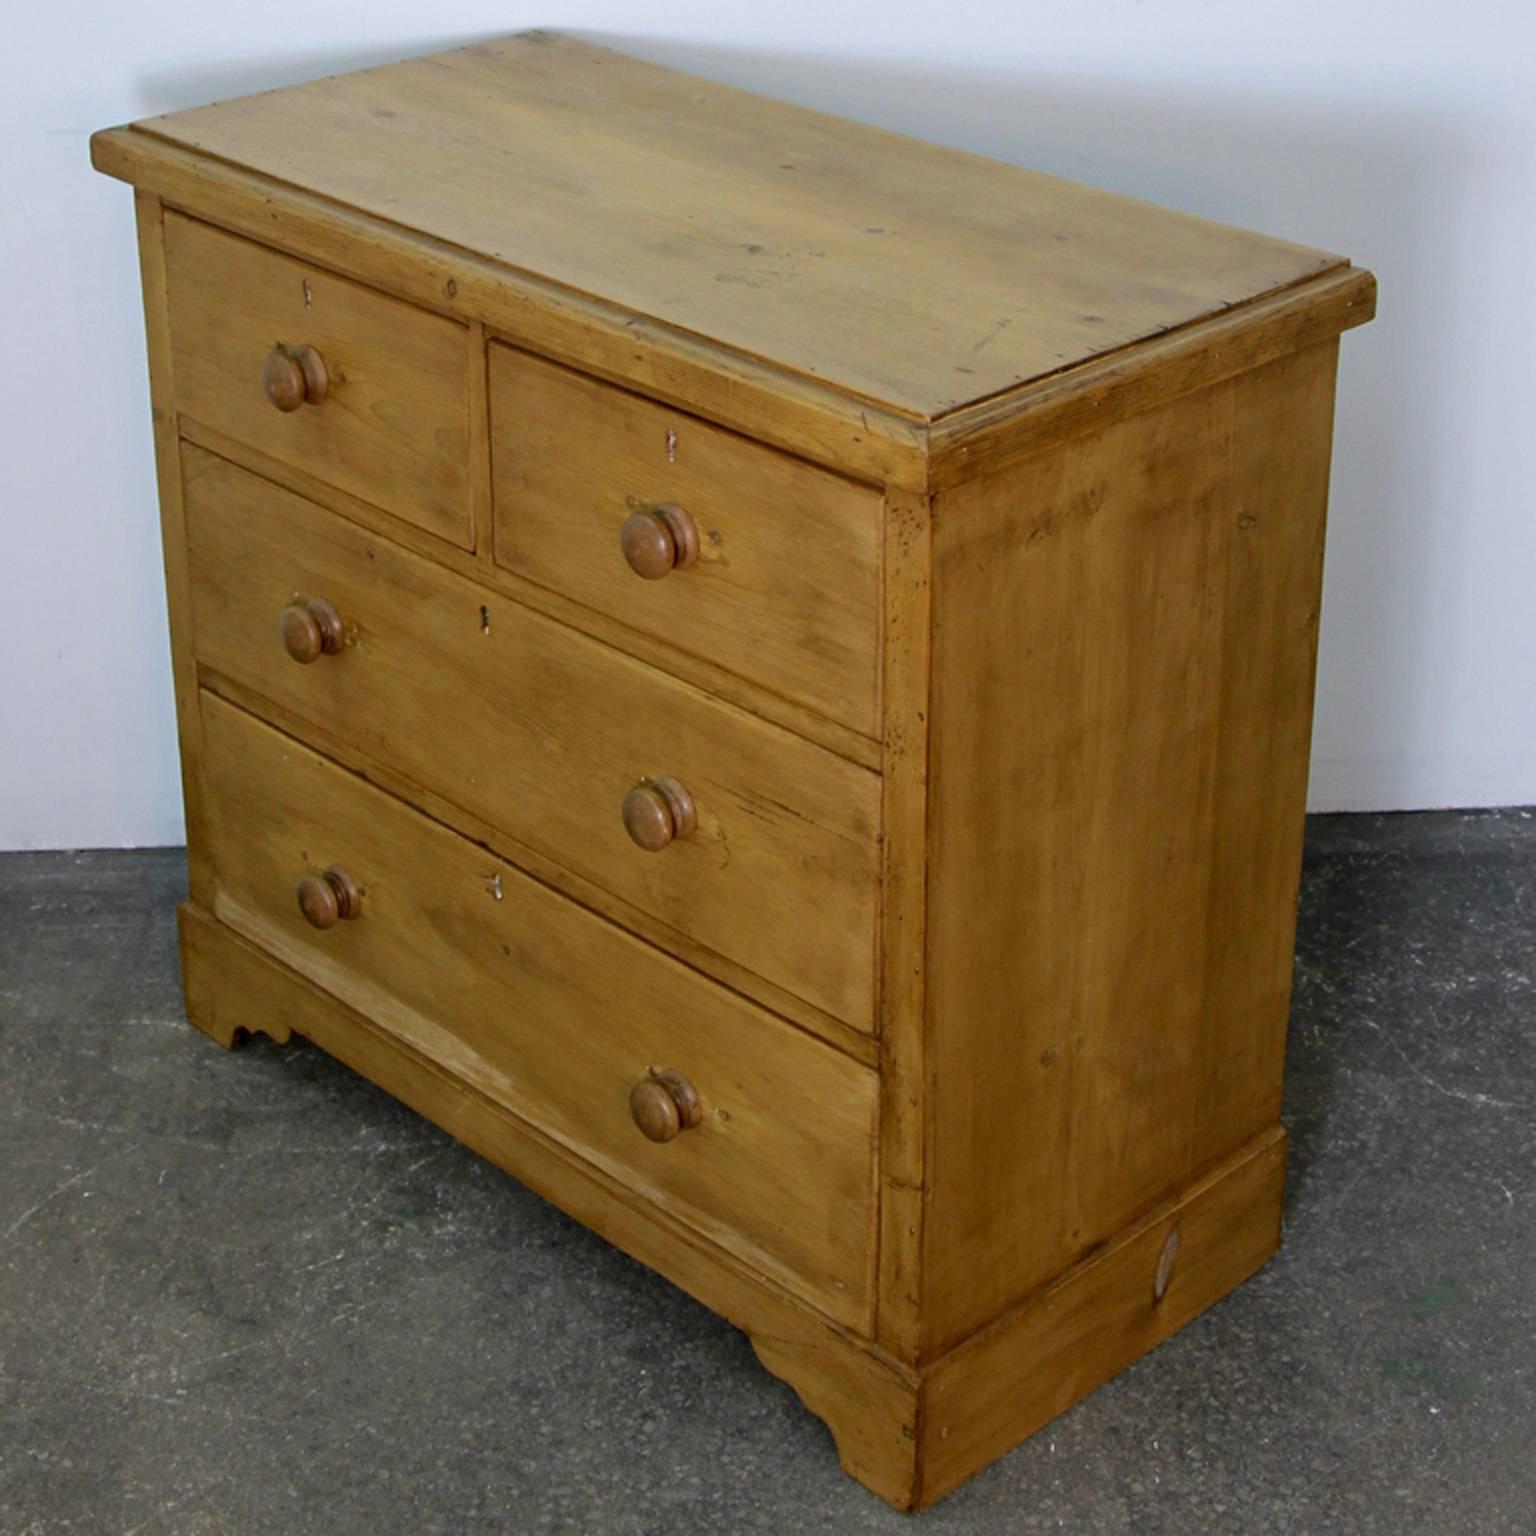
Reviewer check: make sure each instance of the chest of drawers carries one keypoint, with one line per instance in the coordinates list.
(758, 672)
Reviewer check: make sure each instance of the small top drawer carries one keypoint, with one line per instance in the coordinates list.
(363, 391)
(771, 572)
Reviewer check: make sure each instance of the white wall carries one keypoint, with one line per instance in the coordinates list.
(1403, 135)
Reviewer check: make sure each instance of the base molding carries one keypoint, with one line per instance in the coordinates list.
(1037, 1360)
(914, 1439)
(871, 1405)
(909, 1435)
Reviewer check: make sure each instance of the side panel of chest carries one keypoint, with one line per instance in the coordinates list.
(1123, 645)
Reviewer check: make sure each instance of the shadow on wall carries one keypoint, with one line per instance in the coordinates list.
(1381, 185)
(174, 90)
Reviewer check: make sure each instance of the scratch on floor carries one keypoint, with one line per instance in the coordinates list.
(1481, 1100)
(47, 1200)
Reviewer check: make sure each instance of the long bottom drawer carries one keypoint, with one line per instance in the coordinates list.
(553, 1011)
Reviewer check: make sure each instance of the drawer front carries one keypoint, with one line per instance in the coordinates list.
(543, 733)
(783, 586)
(551, 1011)
(393, 424)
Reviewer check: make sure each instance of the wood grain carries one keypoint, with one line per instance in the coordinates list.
(551, 1011)
(786, 234)
(543, 732)
(785, 587)
(1123, 641)
(905, 1131)
(1282, 419)
(475, 350)
(709, 379)
(394, 424)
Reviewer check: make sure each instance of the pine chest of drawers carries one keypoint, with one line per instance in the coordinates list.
(759, 672)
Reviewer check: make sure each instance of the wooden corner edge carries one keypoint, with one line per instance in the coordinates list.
(986, 437)
(111, 153)
(1013, 1377)
(871, 1406)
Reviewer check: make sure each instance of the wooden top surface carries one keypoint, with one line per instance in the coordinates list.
(915, 277)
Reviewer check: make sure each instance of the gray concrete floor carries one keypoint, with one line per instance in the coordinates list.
(249, 1293)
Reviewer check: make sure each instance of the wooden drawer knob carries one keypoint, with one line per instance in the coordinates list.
(656, 811)
(328, 899)
(659, 539)
(312, 630)
(294, 376)
(664, 1104)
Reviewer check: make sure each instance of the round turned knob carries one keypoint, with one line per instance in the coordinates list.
(658, 539)
(656, 811)
(294, 376)
(664, 1104)
(312, 630)
(328, 899)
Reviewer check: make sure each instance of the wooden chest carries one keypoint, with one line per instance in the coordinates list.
(759, 672)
